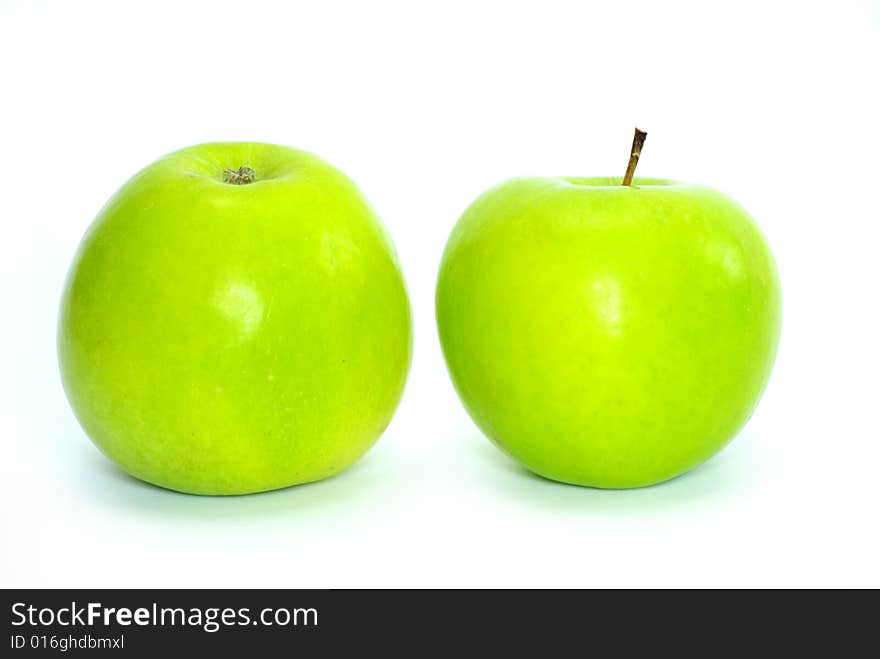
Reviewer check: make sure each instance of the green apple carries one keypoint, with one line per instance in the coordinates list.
(608, 335)
(235, 320)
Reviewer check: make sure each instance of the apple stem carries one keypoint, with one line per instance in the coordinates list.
(635, 152)
(241, 176)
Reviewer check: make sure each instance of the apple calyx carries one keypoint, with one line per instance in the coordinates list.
(241, 176)
(634, 153)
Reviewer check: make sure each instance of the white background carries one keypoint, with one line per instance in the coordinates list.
(425, 105)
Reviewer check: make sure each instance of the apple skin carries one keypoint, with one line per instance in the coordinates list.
(608, 336)
(226, 339)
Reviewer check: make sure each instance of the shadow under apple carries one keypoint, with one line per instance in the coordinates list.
(116, 488)
(732, 471)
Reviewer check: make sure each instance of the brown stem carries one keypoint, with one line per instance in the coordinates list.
(635, 152)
